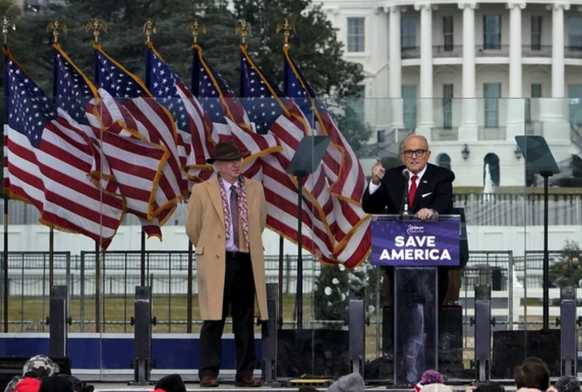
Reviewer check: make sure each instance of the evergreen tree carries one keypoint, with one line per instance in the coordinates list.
(124, 40)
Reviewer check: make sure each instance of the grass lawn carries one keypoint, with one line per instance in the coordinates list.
(29, 314)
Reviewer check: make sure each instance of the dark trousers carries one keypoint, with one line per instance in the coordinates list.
(239, 297)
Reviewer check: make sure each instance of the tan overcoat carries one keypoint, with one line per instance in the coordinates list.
(205, 228)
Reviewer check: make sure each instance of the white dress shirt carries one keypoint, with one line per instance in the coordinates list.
(230, 245)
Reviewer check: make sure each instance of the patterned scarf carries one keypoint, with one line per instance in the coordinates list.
(242, 207)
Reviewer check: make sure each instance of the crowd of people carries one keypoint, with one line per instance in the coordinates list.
(41, 374)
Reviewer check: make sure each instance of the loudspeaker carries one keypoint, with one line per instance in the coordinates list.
(510, 348)
(12, 366)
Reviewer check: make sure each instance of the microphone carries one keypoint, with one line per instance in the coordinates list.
(404, 206)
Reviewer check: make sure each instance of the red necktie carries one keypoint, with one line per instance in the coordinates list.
(412, 191)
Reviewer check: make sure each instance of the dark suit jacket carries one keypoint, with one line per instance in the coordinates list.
(436, 185)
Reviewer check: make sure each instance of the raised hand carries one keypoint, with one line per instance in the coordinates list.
(378, 172)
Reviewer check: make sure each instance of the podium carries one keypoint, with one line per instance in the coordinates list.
(412, 250)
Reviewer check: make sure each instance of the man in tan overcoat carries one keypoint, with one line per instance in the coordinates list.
(226, 218)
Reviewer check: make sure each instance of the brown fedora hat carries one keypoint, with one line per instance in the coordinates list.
(226, 151)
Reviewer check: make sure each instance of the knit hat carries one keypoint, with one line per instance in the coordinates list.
(39, 366)
(567, 384)
(432, 377)
(350, 383)
(171, 383)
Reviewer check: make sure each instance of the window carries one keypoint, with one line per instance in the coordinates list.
(492, 175)
(492, 93)
(448, 106)
(408, 33)
(444, 160)
(575, 33)
(356, 35)
(356, 108)
(536, 33)
(536, 92)
(409, 102)
(448, 33)
(575, 95)
(492, 31)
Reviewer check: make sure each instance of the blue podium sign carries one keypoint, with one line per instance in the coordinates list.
(416, 243)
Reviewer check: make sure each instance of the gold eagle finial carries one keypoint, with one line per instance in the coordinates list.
(96, 25)
(287, 27)
(243, 28)
(7, 25)
(197, 28)
(149, 28)
(56, 26)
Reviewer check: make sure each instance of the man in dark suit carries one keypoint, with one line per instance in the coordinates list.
(427, 191)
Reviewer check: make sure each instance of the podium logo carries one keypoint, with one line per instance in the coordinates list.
(415, 229)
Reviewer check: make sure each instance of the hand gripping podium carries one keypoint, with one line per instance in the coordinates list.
(411, 250)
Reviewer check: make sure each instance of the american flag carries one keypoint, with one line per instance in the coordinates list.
(49, 159)
(194, 126)
(143, 118)
(272, 112)
(228, 116)
(344, 170)
(77, 96)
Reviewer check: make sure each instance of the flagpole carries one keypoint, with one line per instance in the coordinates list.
(5, 264)
(286, 27)
(149, 28)
(190, 277)
(281, 261)
(95, 25)
(54, 26)
(7, 25)
(97, 288)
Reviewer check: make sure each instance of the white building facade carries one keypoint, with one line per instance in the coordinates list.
(469, 76)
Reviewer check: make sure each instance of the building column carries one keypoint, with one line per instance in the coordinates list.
(554, 111)
(468, 131)
(515, 67)
(395, 66)
(381, 105)
(516, 103)
(426, 95)
(558, 77)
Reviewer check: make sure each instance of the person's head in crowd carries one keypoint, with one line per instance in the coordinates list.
(170, 383)
(55, 384)
(39, 366)
(567, 384)
(34, 370)
(432, 377)
(532, 373)
(437, 388)
(351, 383)
(489, 386)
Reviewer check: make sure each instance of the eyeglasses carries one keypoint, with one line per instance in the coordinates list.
(409, 153)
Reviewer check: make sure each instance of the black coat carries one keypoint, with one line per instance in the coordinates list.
(435, 191)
